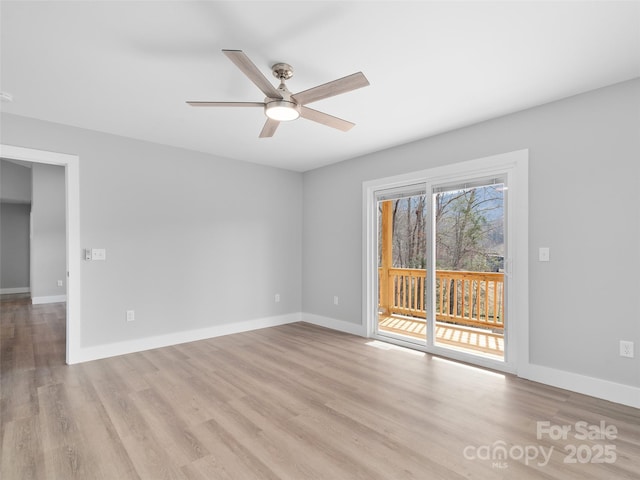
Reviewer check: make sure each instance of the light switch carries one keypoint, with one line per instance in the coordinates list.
(543, 254)
(98, 254)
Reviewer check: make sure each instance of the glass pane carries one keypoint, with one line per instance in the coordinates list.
(469, 283)
(402, 260)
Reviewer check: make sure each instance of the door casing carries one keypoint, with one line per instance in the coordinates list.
(72, 210)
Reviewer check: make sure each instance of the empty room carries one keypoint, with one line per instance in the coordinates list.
(319, 240)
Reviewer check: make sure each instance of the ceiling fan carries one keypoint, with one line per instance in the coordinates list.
(281, 105)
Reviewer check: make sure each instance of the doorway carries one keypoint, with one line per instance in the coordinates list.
(72, 213)
(441, 257)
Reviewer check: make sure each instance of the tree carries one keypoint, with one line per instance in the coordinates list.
(409, 236)
(469, 229)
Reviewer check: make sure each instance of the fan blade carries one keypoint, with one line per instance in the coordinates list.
(251, 71)
(342, 85)
(269, 128)
(325, 119)
(226, 104)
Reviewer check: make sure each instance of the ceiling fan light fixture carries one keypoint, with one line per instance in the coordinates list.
(282, 110)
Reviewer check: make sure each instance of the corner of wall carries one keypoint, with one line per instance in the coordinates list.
(335, 324)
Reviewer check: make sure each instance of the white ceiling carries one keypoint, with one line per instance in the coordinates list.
(127, 68)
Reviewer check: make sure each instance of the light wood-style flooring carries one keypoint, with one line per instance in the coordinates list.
(290, 402)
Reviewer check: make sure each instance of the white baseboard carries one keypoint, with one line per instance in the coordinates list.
(87, 354)
(10, 291)
(50, 299)
(340, 325)
(594, 387)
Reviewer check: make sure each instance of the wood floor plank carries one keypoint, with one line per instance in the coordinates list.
(285, 451)
(194, 408)
(176, 437)
(21, 450)
(99, 435)
(284, 442)
(63, 443)
(141, 444)
(19, 395)
(291, 402)
(233, 456)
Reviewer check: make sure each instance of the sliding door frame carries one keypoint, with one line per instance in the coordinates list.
(513, 166)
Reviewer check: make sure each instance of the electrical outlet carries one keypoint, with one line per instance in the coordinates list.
(626, 349)
(59, 283)
(277, 298)
(335, 300)
(131, 315)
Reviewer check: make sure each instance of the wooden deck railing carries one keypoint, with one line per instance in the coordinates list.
(465, 298)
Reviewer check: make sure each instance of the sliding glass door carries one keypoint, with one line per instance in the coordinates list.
(440, 251)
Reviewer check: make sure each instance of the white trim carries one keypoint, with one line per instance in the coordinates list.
(138, 345)
(72, 180)
(48, 299)
(335, 324)
(595, 387)
(515, 166)
(9, 291)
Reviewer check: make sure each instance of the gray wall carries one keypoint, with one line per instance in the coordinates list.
(15, 209)
(14, 246)
(192, 240)
(15, 182)
(48, 236)
(584, 170)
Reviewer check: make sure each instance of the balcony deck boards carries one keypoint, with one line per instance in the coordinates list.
(474, 339)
